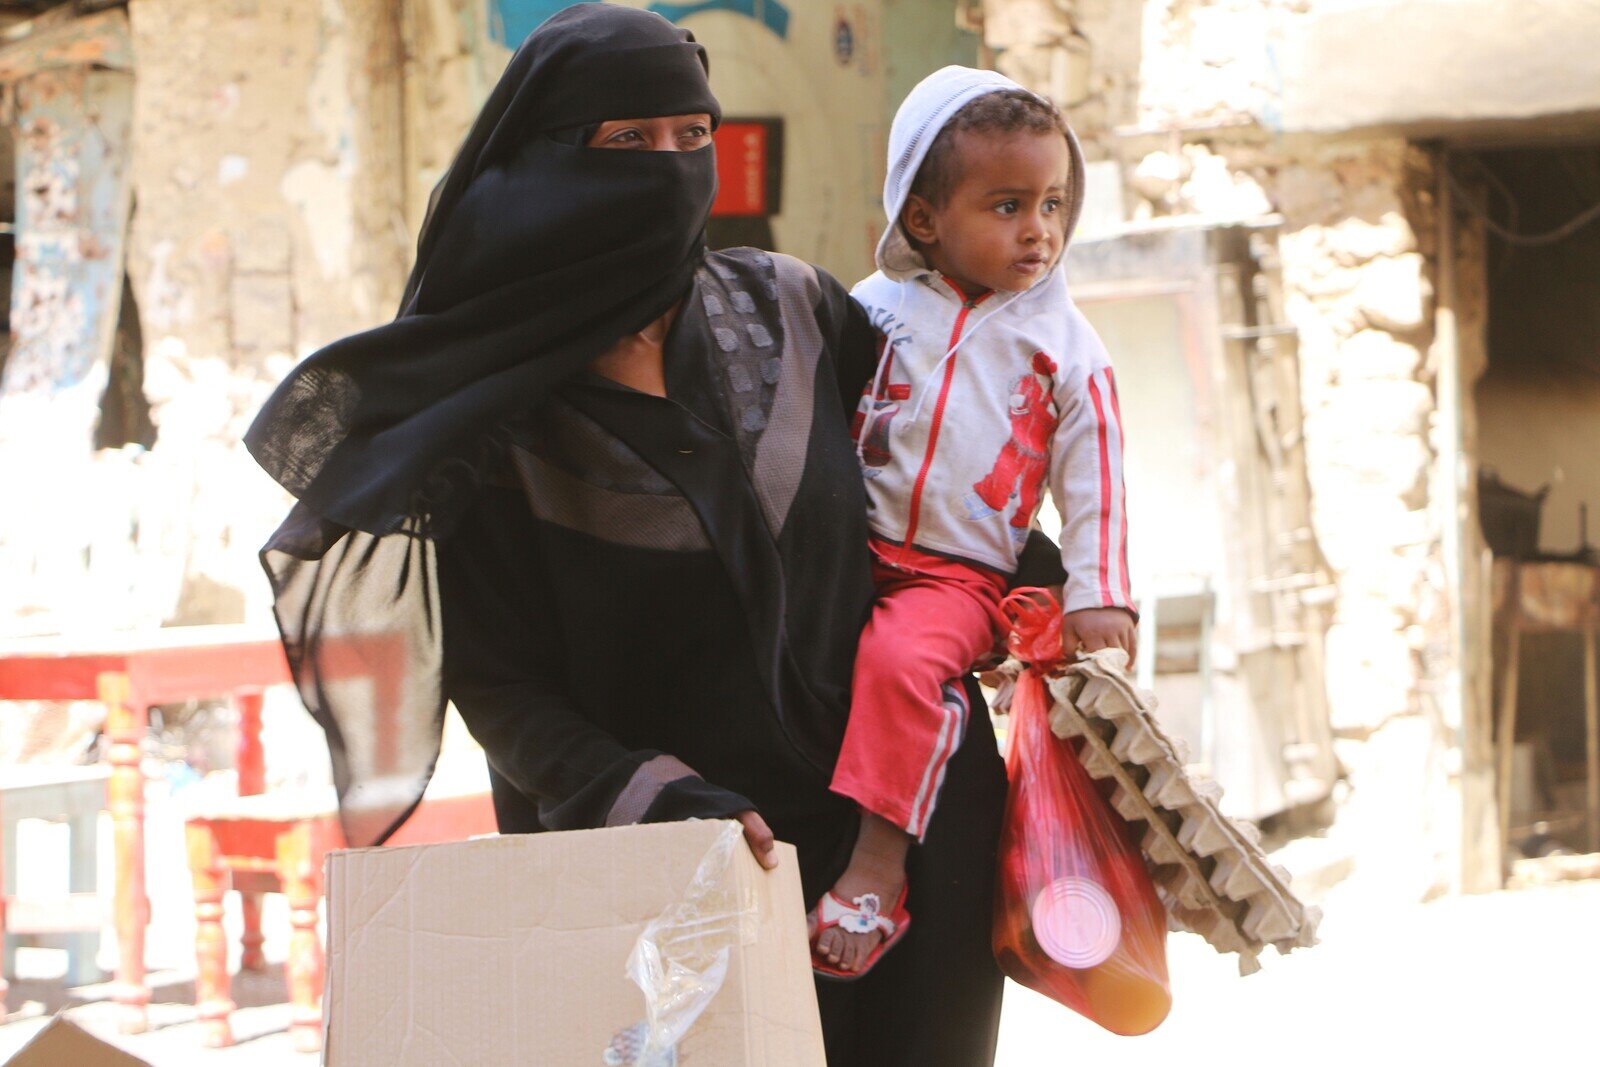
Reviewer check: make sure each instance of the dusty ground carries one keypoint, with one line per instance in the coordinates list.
(1465, 981)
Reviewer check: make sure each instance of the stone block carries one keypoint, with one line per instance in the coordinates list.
(1307, 194)
(1158, 175)
(263, 313)
(1371, 674)
(1218, 192)
(1011, 23)
(1393, 293)
(262, 247)
(1309, 266)
(1377, 354)
(1353, 522)
(1355, 240)
(1376, 406)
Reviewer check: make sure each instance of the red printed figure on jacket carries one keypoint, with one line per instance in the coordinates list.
(881, 407)
(1024, 459)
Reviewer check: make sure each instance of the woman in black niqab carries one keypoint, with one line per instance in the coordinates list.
(536, 256)
(644, 601)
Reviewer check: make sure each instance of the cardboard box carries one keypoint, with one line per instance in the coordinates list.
(516, 950)
(63, 1043)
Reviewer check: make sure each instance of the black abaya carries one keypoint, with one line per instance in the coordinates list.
(599, 643)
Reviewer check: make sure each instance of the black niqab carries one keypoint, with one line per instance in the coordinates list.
(536, 255)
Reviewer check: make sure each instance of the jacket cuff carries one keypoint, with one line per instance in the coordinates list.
(695, 798)
(1084, 599)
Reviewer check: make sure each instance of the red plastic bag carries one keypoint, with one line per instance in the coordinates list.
(1076, 916)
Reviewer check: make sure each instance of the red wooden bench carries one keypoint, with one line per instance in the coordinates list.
(276, 843)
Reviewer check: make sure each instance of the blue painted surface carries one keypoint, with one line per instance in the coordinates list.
(74, 127)
(770, 13)
(510, 21)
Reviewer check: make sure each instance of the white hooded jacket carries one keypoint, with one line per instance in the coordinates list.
(982, 399)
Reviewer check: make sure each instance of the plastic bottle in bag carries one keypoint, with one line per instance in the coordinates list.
(1076, 914)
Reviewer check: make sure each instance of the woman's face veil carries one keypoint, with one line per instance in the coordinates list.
(587, 64)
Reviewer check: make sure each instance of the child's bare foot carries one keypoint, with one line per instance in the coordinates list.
(878, 867)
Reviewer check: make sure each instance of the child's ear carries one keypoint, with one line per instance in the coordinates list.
(917, 218)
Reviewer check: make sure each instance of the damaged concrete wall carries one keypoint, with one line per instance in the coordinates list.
(268, 225)
(1175, 93)
(447, 77)
(266, 165)
(1434, 66)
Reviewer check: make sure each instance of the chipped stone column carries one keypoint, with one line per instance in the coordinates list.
(1361, 296)
(447, 76)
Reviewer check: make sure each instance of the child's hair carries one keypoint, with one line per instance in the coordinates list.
(1006, 111)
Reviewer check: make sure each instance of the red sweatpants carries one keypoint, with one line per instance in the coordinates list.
(934, 618)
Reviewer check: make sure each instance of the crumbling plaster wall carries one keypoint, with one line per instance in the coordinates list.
(282, 155)
(269, 221)
(449, 68)
(1174, 92)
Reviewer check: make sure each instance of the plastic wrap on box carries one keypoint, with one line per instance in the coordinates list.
(1209, 870)
(681, 958)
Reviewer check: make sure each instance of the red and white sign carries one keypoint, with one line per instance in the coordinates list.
(741, 170)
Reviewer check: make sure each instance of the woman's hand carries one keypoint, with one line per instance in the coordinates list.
(758, 835)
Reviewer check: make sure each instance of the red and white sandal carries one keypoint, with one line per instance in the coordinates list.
(865, 917)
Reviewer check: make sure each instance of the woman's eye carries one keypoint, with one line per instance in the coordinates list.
(696, 133)
(625, 137)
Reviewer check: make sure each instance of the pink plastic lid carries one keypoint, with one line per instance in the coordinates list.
(1076, 922)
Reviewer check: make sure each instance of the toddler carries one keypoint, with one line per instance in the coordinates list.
(990, 381)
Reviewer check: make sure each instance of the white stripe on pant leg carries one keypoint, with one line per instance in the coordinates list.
(961, 712)
(931, 770)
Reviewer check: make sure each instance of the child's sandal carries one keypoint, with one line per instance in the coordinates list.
(865, 917)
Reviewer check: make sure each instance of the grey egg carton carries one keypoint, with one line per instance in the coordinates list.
(1209, 870)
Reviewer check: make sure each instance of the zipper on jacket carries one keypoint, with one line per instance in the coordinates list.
(938, 417)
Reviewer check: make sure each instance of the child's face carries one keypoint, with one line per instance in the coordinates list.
(1003, 224)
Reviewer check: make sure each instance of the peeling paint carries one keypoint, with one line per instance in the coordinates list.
(166, 304)
(232, 169)
(321, 188)
(72, 206)
(322, 195)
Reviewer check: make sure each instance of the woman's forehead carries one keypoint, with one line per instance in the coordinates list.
(688, 116)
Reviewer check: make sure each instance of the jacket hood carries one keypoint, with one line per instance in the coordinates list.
(923, 114)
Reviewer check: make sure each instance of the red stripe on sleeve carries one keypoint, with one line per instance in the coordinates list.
(1105, 493)
(1122, 450)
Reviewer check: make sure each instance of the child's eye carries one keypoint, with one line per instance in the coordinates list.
(1052, 204)
(1006, 207)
